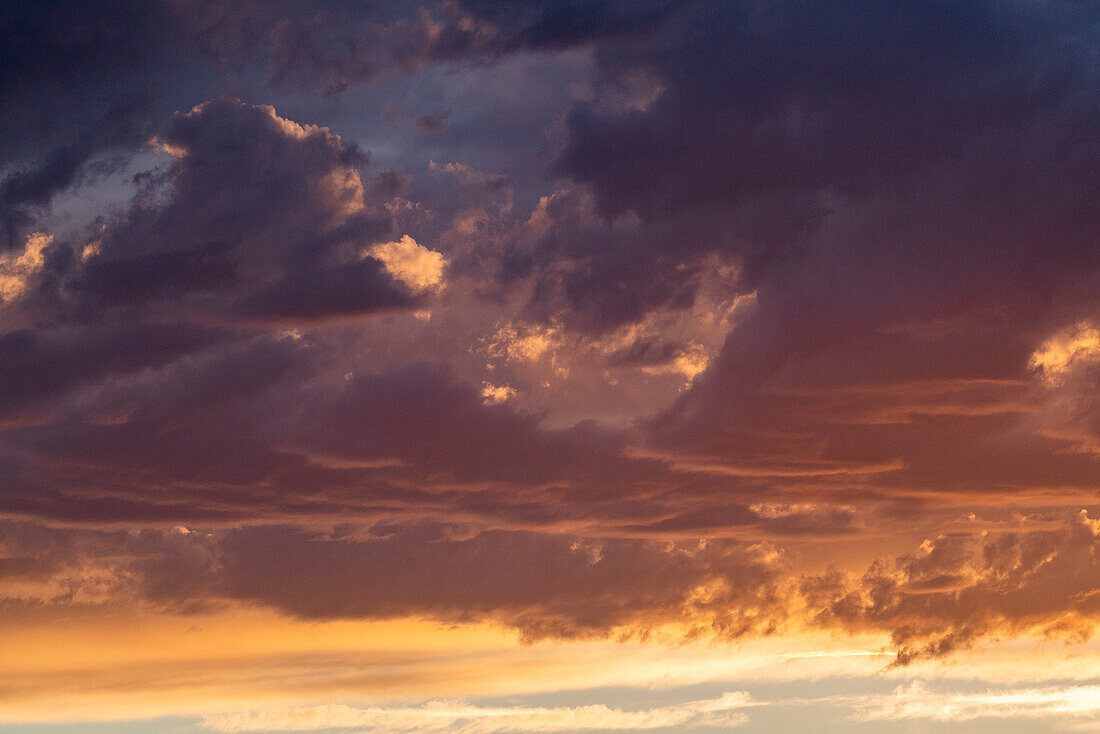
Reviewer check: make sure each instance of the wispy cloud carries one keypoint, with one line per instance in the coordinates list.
(916, 701)
(462, 718)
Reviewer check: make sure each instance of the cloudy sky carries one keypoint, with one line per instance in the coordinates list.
(471, 367)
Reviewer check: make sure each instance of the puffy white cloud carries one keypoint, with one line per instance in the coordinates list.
(411, 263)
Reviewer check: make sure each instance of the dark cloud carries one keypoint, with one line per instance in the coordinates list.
(334, 46)
(903, 190)
(82, 81)
(155, 276)
(40, 365)
(952, 593)
(85, 81)
(257, 429)
(847, 153)
(546, 586)
(539, 24)
(595, 275)
(765, 100)
(258, 217)
(420, 414)
(893, 208)
(646, 352)
(434, 123)
(960, 589)
(28, 190)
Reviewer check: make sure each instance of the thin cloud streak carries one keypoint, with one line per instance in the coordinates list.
(459, 718)
(917, 701)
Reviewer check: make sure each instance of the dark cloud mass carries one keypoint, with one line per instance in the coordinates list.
(784, 316)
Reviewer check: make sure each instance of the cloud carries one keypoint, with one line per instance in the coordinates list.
(406, 260)
(434, 123)
(42, 365)
(122, 70)
(333, 47)
(443, 716)
(817, 179)
(918, 701)
(16, 271)
(496, 394)
(265, 212)
(689, 361)
(958, 589)
(545, 586)
(586, 268)
(953, 593)
(1067, 350)
(839, 259)
(522, 342)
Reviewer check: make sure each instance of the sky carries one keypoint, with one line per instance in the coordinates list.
(467, 367)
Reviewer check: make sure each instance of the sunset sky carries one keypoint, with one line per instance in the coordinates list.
(483, 367)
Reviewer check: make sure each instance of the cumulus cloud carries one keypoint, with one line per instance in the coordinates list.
(262, 210)
(406, 260)
(257, 219)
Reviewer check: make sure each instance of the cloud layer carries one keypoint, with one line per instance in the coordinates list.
(584, 319)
